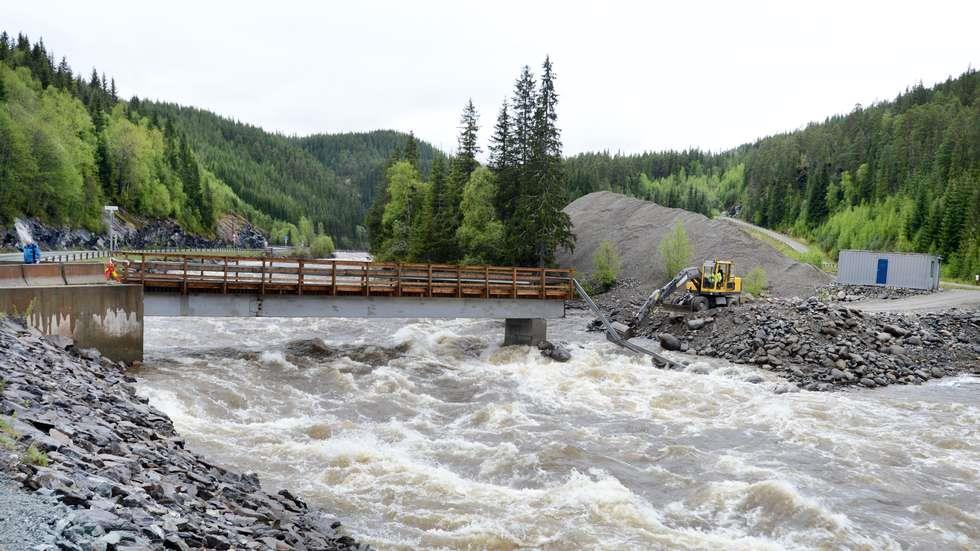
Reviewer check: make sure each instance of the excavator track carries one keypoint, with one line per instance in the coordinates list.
(614, 337)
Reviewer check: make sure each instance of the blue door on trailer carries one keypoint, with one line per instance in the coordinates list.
(882, 276)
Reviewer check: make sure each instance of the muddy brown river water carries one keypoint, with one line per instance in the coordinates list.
(454, 442)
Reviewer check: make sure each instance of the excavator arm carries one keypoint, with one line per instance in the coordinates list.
(661, 294)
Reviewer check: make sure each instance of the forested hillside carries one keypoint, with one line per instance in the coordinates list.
(898, 175)
(359, 159)
(68, 146)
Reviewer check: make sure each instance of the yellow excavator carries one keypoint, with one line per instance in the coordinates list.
(712, 285)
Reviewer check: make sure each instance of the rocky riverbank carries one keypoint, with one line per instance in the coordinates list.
(137, 234)
(820, 345)
(76, 434)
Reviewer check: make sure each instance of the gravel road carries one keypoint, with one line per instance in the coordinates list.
(782, 238)
(959, 298)
(25, 518)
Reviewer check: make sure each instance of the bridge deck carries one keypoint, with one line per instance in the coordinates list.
(181, 273)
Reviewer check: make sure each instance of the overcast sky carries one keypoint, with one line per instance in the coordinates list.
(632, 76)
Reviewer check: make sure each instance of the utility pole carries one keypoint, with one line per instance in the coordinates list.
(111, 209)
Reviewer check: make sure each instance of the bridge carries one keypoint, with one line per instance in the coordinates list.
(239, 286)
(73, 299)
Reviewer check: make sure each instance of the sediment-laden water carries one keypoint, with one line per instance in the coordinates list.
(442, 439)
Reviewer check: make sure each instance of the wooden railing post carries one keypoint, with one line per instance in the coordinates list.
(514, 283)
(429, 284)
(459, 281)
(143, 269)
(398, 282)
(543, 278)
(224, 283)
(300, 277)
(333, 278)
(185, 275)
(486, 281)
(366, 279)
(262, 284)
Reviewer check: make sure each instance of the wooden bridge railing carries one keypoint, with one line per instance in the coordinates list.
(230, 274)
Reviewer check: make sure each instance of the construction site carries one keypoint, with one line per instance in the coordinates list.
(814, 332)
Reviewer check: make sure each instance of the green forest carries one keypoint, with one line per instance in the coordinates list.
(508, 212)
(69, 145)
(898, 175)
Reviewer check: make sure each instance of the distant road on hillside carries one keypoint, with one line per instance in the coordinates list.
(782, 238)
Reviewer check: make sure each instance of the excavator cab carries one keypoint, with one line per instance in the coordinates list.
(717, 278)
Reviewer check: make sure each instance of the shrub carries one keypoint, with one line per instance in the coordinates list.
(605, 266)
(812, 257)
(675, 250)
(34, 456)
(322, 246)
(755, 281)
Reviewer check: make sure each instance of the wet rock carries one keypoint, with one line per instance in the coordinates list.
(668, 341)
(554, 351)
(695, 323)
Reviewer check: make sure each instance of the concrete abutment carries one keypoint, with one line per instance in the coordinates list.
(525, 331)
(108, 318)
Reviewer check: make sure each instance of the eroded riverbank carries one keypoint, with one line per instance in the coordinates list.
(454, 442)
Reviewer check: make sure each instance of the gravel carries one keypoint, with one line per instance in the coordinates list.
(636, 228)
(26, 518)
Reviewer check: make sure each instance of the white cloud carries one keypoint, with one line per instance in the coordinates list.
(632, 76)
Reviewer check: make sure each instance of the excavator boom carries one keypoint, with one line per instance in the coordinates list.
(661, 294)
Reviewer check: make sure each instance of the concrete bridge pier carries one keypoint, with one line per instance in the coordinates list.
(525, 331)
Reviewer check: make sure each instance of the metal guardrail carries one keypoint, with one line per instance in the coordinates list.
(75, 256)
(167, 272)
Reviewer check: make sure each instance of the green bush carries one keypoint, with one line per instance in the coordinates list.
(322, 246)
(675, 250)
(605, 266)
(34, 456)
(755, 281)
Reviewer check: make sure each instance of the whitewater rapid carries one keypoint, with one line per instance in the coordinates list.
(441, 438)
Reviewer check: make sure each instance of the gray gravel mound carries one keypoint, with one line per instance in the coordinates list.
(636, 228)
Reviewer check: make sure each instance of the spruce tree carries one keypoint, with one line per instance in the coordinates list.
(524, 109)
(503, 160)
(411, 151)
(468, 139)
(542, 225)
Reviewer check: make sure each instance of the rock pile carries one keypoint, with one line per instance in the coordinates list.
(120, 467)
(854, 293)
(822, 346)
(163, 233)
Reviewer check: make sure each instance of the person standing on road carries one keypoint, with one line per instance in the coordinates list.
(32, 253)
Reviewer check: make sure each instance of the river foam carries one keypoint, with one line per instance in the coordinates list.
(443, 439)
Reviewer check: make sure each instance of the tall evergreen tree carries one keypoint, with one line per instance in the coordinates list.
(543, 226)
(411, 151)
(503, 160)
(524, 109)
(468, 139)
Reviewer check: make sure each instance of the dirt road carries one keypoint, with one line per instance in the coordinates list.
(959, 298)
(782, 238)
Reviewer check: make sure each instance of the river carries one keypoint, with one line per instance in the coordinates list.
(447, 440)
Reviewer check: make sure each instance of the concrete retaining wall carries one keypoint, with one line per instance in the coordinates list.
(108, 318)
(50, 274)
